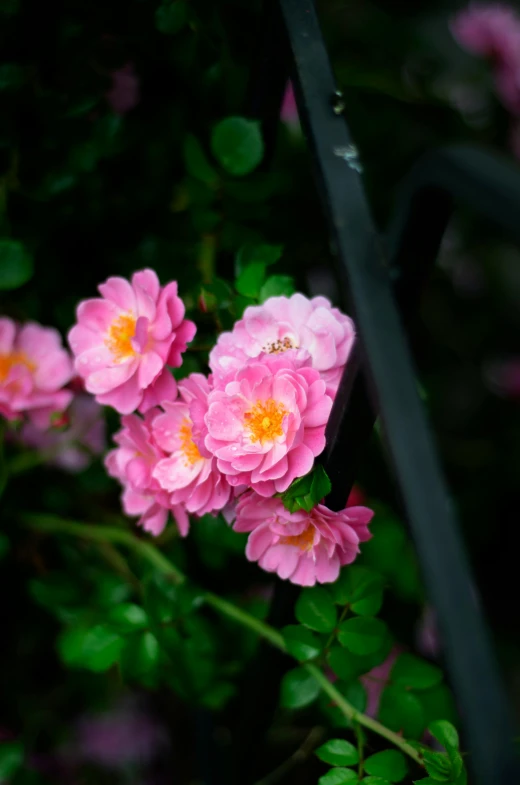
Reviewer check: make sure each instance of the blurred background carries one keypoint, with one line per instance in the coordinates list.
(97, 102)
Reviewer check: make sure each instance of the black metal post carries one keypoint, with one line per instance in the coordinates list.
(385, 357)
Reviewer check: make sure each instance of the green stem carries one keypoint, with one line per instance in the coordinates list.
(49, 523)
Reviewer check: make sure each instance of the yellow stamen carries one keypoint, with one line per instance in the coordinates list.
(8, 361)
(280, 345)
(265, 419)
(303, 541)
(188, 446)
(120, 335)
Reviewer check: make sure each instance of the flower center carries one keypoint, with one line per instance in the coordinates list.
(8, 361)
(120, 335)
(188, 446)
(303, 541)
(265, 419)
(278, 346)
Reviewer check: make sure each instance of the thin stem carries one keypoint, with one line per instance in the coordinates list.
(50, 523)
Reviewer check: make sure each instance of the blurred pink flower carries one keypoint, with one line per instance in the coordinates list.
(114, 739)
(376, 680)
(307, 328)
(304, 547)
(289, 111)
(189, 475)
(267, 424)
(124, 93)
(503, 377)
(493, 31)
(73, 447)
(427, 633)
(124, 340)
(132, 463)
(34, 368)
(356, 497)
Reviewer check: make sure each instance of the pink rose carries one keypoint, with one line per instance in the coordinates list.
(124, 340)
(189, 475)
(267, 423)
(34, 368)
(132, 463)
(73, 447)
(304, 547)
(312, 328)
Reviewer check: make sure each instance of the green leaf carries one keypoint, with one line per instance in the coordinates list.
(338, 752)
(389, 764)
(16, 264)
(237, 145)
(299, 689)
(428, 781)
(355, 584)
(196, 161)
(128, 617)
(438, 765)
(320, 484)
(11, 758)
(316, 610)
(4, 545)
(355, 693)
(255, 252)
(362, 635)
(346, 666)
(445, 733)
(338, 777)
(301, 642)
(277, 285)
(250, 280)
(402, 711)
(96, 648)
(171, 17)
(412, 672)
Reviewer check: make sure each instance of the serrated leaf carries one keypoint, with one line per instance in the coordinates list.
(362, 635)
(320, 485)
(389, 764)
(338, 752)
(412, 672)
(299, 688)
(437, 765)
(277, 285)
(96, 647)
(196, 161)
(401, 711)
(301, 642)
(250, 280)
(445, 733)
(16, 264)
(338, 776)
(316, 610)
(355, 584)
(237, 145)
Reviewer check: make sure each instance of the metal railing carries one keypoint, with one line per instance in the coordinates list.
(382, 291)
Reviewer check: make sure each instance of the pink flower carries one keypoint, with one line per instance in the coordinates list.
(289, 111)
(189, 475)
(304, 547)
(312, 328)
(132, 463)
(124, 92)
(493, 31)
(124, 340)
(376, 680)
(34, 368)
(71, 448)
(267, 424)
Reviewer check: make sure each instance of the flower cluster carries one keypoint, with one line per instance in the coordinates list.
(230, 442)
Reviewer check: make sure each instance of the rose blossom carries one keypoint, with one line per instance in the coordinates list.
(267, 423)
(311, 327)
(493, 31)
(71, 448)
(34, 367)
(189, 475)
(305, 547)
(132, 463)
(124, 340)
